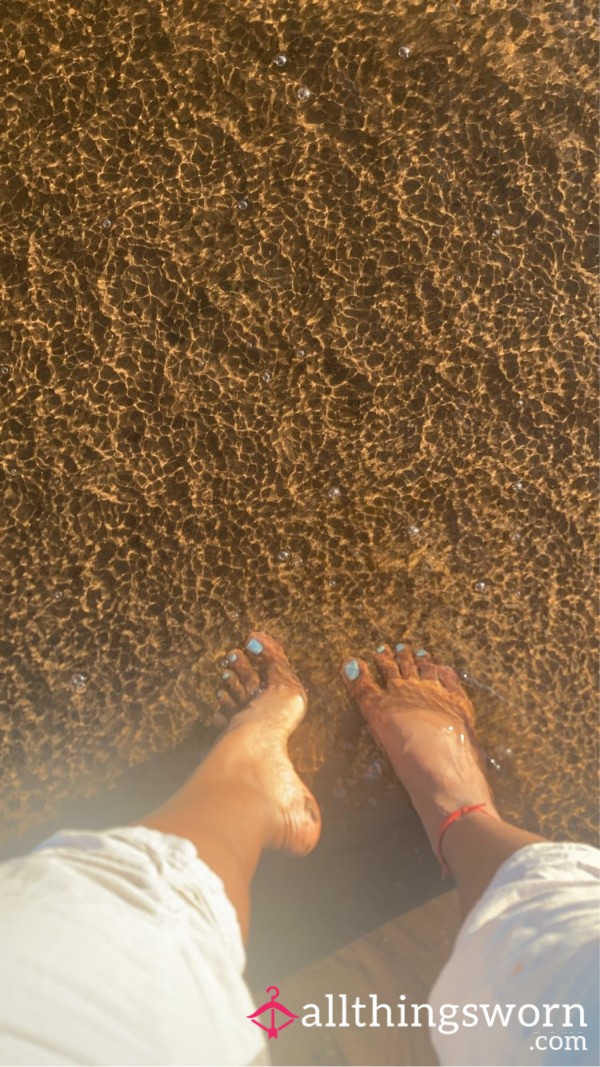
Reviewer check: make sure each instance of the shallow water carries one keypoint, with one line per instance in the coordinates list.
(300, 343)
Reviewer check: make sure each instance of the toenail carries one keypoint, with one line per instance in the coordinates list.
(351, 670)
(232, 657)
(400, 647)
(226, 675)
(380, 648)
(255, 646)
(421, 652)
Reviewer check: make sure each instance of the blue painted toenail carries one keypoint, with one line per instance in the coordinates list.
(351, 670)
(400, 647)
(421, 652)
(226, 675)
(255, 646)
(232, 657)
(380, 648)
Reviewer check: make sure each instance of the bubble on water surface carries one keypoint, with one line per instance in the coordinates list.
(280, 59)
(404, 52)
(79, 681)
(106, 224)
(302, 92)
(481, 586)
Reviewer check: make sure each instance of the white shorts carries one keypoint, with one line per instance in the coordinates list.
(531, 941)
(121, 948)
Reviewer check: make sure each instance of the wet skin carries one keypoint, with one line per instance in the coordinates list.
(418, 712)
(267, 703)
(246, 795)
(421, 716)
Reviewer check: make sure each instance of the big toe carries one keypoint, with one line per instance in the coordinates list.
(360, 683)
(269, 659)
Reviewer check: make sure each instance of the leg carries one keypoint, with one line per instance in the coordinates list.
(423, 719)
(246, 795)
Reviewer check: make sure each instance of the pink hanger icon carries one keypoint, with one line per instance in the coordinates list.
(272, 1006)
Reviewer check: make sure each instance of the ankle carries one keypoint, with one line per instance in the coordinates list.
(435, 811)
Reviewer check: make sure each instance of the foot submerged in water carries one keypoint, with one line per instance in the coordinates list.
(423, 719)
(420, 715)
(265, 702)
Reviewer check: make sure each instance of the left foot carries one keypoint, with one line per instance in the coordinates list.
(268, 703)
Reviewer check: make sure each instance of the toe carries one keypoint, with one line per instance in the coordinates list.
(270, 660)
(405, 660)
(387, 664)
(360, 683)
(234, 687)
(227, 705)
(450, 680)
(239, 665)
(425, 665)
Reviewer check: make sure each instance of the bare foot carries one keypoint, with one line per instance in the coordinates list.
(269, 703)
(423, 719)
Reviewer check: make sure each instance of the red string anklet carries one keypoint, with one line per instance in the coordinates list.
(452, 817)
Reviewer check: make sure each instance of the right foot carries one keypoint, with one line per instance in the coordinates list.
(423, 719)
